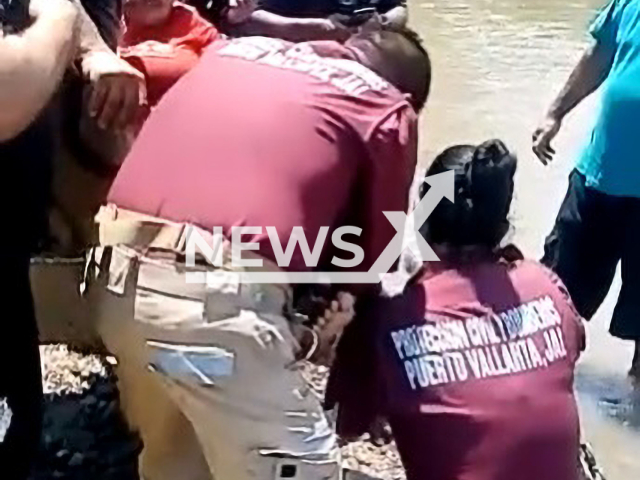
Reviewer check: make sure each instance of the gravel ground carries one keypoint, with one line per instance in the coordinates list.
(86, 438)
(362, 456)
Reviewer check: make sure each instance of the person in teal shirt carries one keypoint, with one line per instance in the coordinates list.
(598, 225)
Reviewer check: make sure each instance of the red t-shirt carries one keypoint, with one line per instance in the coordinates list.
(164, 53)
(474, 369)
(264, 133)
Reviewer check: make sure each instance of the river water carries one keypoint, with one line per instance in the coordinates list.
(497, 65)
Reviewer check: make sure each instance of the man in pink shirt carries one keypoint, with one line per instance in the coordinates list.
(268, 133)
(473, 365)
(261, 133)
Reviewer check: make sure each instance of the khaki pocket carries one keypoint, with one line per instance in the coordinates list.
(191, 364)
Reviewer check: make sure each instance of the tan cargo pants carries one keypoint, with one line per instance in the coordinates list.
(208, 372)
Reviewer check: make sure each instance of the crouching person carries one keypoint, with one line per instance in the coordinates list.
(278, 137)
(473, 365)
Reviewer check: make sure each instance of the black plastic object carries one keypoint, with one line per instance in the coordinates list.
(288, 471)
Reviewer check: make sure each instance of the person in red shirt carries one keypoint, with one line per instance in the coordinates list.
(164, 39)
(315, 138)
(473, 364)
(262, 133)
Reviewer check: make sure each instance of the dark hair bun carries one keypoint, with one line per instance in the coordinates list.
(484, 190)
(490, 152)
(491, 171)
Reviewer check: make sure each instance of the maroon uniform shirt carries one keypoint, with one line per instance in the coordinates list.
(474, 369)
(267, 133)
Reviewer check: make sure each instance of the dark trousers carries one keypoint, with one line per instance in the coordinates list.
(20, 372)
(593, 233)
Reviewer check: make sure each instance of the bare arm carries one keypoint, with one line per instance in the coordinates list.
(32, 64)
(118, 89)
(591, 71)
(269, 24)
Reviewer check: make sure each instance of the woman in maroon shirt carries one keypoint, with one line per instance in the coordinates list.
(473, 364)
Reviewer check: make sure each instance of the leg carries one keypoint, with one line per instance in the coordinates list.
(20, 379)
(171, 449)
(626, 317)
(586, 244)
(258, 419)
(231, 370)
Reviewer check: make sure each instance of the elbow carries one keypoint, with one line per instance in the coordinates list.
(599, 59)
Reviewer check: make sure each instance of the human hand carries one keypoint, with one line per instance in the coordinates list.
(543, 136)
(118, 89)
(331, 325)
(239, 11)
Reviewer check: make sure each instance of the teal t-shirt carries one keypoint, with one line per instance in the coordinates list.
(611, 161)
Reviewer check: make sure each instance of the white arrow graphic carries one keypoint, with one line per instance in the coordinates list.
(407, 226)
(407, 236)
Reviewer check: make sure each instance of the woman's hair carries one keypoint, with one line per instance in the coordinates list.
(483, 193)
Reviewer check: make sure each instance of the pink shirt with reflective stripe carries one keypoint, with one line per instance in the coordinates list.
(267, 133)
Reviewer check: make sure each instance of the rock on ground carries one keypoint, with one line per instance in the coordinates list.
(86, 438)
(84, 435)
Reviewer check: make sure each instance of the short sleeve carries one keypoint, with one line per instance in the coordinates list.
(393, 149)
(201, 32)
(604, 28)
(205, 34)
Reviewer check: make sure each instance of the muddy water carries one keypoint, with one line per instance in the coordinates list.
(497, 65)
